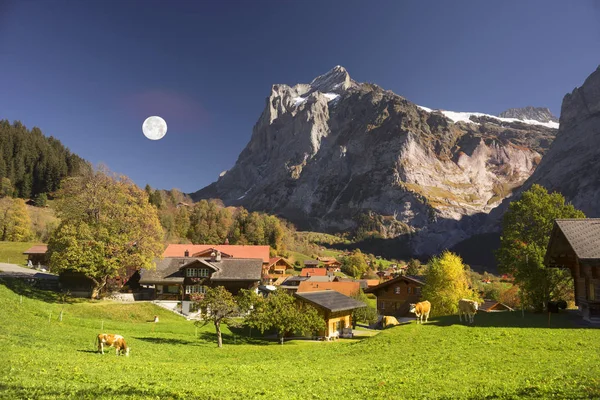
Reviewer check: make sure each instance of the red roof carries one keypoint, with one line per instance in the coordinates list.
(313, 272)
(346, 288)
(37, 249)
(236, 251)
(273, 260)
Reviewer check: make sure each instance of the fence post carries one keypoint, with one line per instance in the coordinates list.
(50, 317)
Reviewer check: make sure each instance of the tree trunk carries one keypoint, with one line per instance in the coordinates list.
(219, 338)
(281, 339)
(97, 288)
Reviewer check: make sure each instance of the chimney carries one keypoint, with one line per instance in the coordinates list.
(186, 253)
(218, 256)
(213, 256)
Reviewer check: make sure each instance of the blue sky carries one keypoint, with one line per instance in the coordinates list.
(90, 72)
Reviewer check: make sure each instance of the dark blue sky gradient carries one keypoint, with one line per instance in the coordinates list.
(89, 72)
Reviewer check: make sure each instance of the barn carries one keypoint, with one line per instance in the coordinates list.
(575, 244)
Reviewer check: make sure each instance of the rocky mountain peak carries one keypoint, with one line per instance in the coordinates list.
(541, 114)
(334, 81)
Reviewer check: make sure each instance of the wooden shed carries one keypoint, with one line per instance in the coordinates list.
(575, 244)
(335, 308)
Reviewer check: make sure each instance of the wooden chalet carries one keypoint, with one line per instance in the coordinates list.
(311, 263)
(226, 250)
(335, 308)
(395, 295)
(575, 244)
(175, 278)
(37, 254)
(330, 263)
(275, 270)
(494, 306)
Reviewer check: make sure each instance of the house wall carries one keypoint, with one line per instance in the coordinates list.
(395, 299)
(344, 318)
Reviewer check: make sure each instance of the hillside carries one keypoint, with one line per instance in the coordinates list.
(336, 155)
(502, 356)
(32, 162)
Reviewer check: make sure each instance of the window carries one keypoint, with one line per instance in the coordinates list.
(592, 295)
(397, 290)
(195, 289)
(418, 291)
(197, 272)
(191, 272)
(383, 305)
(410, 290)
(173, 289)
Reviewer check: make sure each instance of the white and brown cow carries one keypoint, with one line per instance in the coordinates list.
(421, 310)
(111, 340)
(468, 308)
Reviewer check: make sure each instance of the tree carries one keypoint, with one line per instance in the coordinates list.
(413, 267)
(6, 188)
(40, 200)
(446, 283)
(366, 314)
(219, 306)
(526, 229)
(107, 225)
(15, 224)
(280, 311)
(355, 264)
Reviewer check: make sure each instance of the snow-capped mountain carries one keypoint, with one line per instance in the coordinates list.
(337, 155)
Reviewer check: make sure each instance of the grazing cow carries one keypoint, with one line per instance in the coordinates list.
(111, 340)
(333, 335)
(468, 308)
(421, 309)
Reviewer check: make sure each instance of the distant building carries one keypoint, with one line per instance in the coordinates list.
(395, 295)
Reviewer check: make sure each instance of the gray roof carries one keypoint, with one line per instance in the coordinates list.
(583, 235)
(311, 262)
(240, 269)
(331, 300)
(168, 270)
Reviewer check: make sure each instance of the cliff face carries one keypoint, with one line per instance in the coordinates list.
(571, 166)
(325, 154)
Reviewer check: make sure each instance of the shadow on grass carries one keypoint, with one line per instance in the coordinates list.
(163, 340)
(88, 351)
(236, 337)
(22, 288)
(93, 392)
(568, 319)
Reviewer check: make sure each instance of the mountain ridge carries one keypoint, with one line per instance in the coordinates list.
(337, 155)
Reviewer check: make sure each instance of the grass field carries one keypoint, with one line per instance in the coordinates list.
(12, 252)
(502, 356)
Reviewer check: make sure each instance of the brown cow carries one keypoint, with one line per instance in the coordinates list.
(421, 309)
(116, 341)
(468, 308)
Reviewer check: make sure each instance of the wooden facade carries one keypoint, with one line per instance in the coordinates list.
(395, 295)
(575, 244)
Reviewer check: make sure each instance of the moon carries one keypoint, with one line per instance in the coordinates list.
(154, 127)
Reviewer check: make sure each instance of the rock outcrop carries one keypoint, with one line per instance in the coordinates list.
(326, 154)
(540, 114)
(571, 166)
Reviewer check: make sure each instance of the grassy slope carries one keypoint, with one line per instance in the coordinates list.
(12, 252)
(439, 360)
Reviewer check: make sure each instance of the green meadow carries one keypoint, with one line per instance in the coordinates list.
(502, 356)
